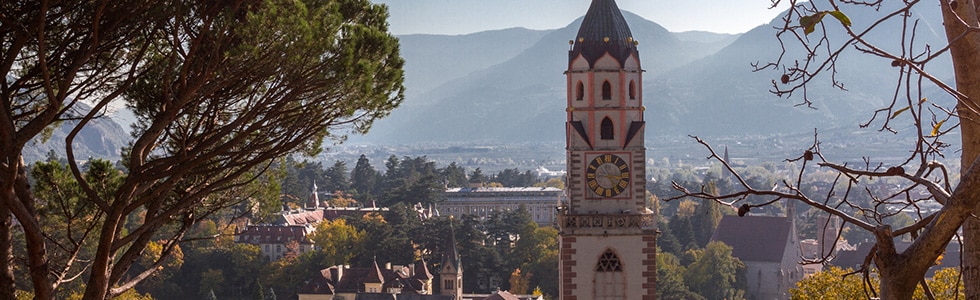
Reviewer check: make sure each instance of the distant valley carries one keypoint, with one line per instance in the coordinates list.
(505, 90)
(696, 83)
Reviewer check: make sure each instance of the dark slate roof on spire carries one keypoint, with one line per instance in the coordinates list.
(374, 276)
(603, 20)
(451, 257)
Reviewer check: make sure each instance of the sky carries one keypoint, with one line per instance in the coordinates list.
(453, 17)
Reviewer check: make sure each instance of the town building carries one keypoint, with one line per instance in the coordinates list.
(293, 228)
(770, 250)
(607, 236)
(540, 202)
(413, 281)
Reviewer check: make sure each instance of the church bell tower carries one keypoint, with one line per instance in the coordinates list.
(608, 236)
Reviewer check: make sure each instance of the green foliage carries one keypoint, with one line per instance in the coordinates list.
(670, 279)
(683, 231)
(514, 178)
(478, 177)
(715, 273)
(704, 221)
(336, 178)
(364, 178)
(212, 279)
(410, 181)
(455, 176)
(66, 215)
(299, 179)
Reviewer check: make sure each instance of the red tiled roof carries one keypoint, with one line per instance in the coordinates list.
(322, 284)
(257, 234)
(302, 217)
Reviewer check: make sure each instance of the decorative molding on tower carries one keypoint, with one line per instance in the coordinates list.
(616, 221)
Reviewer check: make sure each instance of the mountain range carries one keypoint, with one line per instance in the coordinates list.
(509, 86)
(100, 138)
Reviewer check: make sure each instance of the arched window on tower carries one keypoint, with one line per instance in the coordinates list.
(610, 281)
(632, 90)
(580, 91)
(606, 90)
(606, 129)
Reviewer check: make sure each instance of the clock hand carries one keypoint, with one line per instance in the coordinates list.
(614, 177)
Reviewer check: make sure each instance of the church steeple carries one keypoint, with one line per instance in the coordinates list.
(314, 200)
(603, 30)
(451, 272)
(607, 233)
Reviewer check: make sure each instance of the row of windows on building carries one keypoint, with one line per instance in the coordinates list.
(606, 90)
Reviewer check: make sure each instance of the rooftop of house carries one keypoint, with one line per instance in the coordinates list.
(502, 189)
(314, 216)
(258, 234)
(409, 279)
(754, 238)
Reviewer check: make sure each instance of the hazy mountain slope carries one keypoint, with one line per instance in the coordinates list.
(101, 138)
(432, 60)
(520, 99)
(706, 37)
(721, 95)
(689, 88)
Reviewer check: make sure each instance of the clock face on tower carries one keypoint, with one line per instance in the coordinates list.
(607, 175)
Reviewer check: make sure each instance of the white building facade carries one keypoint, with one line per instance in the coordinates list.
(483, 201)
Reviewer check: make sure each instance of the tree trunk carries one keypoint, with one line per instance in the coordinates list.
(896, 280)
(964, 50)
(7, 282)
(98, 283)
(37, 254)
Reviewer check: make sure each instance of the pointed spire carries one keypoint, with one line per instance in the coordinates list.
(451, 257)
(314, 200)
(603, 30)
(726, 175)
(375, 275)
(452, 268)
